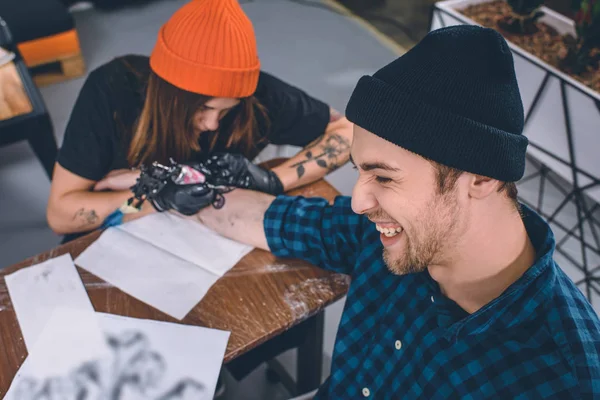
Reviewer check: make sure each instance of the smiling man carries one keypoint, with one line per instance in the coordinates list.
(454, 292)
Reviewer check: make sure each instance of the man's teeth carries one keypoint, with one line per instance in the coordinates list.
(389, 232)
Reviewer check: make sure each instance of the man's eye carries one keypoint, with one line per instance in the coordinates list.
(354, 167)
(381, 179)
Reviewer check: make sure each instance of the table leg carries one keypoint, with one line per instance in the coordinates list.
(310, 356)
(43, 143)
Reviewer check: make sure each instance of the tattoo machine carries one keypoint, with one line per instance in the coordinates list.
(154, 178)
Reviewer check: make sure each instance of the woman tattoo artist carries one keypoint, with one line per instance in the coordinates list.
(200, 94)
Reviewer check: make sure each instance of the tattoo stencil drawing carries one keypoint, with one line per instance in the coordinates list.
(329, 149)
(133, 372)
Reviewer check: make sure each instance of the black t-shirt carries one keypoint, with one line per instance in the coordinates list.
(98, 132)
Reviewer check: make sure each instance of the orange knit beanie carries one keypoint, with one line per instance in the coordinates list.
(208, 47)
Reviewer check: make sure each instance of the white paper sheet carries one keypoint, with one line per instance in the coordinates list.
(148, 273)
(188, 240)
(147, 360)
(37, 290)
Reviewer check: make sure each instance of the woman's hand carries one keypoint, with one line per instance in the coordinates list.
(117, 180)
(185, 199)
(235, 170)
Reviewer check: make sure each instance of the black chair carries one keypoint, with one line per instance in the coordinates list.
(36, 126)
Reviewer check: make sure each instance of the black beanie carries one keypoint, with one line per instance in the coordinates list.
(453, 98)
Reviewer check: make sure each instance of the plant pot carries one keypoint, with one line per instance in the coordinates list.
(562, 115)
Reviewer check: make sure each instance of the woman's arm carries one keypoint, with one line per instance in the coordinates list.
(325, 154)
(74, 207)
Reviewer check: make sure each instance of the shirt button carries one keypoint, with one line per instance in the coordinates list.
(398, 345)
(432, 299)
(366, 392)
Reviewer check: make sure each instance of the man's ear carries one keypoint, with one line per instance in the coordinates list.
(481, 186)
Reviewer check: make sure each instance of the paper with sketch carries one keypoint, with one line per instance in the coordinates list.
(147, 360)
(37, 290)
(163, 260)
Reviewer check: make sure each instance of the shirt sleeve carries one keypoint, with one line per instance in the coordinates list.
(296, 118)
(87, 148)
(328, 236)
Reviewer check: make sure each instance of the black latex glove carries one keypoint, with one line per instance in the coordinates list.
(185, 199)
(237, 171)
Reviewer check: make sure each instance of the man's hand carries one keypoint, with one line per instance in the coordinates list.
(117, 180)
(235, 170)
(241, 218)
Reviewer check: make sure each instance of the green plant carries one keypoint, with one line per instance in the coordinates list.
(524, 14)
(587, 22)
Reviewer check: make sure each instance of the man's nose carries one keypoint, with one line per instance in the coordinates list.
(362, 199)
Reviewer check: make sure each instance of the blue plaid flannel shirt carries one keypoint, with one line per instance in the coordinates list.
(399, 337)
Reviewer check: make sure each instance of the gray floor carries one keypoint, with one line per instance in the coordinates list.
(320, 51)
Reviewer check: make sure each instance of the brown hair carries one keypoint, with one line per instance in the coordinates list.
(446, 178)
(165, 129)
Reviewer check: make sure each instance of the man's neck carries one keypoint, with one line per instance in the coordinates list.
(493, 254)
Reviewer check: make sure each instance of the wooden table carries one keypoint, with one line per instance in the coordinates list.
(23, 114)
(259, 298)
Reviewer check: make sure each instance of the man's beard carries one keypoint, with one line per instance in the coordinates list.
(436, 228)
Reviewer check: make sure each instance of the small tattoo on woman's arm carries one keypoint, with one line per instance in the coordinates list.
(85, 217)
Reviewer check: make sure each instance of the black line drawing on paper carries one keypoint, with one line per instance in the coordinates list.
(133, 372)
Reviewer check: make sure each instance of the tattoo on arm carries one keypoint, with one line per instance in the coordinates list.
(328, 151)
(85, 217)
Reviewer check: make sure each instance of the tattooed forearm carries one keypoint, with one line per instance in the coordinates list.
(329, 151)
(85, 218)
